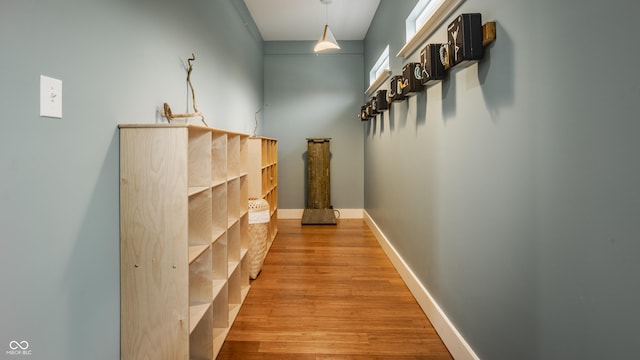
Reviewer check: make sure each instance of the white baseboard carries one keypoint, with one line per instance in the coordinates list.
(452, 339)
(294, 214)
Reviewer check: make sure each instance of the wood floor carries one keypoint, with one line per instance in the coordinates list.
(329, 292)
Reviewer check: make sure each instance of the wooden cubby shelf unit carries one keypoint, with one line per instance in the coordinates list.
(183, 238)
(263, 177)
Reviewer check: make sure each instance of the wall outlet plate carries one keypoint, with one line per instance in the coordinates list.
(50, 97)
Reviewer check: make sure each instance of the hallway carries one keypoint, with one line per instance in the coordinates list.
(329, 292)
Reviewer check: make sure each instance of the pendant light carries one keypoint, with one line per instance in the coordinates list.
(327, 41)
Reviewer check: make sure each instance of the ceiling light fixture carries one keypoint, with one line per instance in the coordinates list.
(327, 41)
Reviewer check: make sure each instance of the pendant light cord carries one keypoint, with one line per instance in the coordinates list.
(326, 13)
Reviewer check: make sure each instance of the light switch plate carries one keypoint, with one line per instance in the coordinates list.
(50, 97)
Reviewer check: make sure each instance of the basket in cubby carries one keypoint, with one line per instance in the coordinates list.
(258, 234)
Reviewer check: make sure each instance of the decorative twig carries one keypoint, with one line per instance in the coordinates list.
(255, 129)
(167, 109)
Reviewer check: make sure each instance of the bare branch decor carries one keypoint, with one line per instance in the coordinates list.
(167, 109)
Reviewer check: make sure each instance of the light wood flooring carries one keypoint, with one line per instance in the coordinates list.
(329, 292)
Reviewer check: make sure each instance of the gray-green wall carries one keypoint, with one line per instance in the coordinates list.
(315, 96)
(59, 222)
(511, 189)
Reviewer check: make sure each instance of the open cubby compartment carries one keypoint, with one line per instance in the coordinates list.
(269, 151)
(219, 212)
(244, 232)
(269, 178)
(274, 151)
(244, 195)
(199, 156)
(233, 155)
(218, 157)
(265, 153)
(233, 200)
(244, 275)
(244, 258)
(268, 197)
(219, 265)
(235, 281)
(235, 291)
(199, 224)
(221, 323)
(274, 175)
(201, 337)
(200, 287)
(244, 155)
(272, 199)
(233, 245)
(265, 180)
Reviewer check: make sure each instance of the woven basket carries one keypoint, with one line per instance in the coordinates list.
(258, 235)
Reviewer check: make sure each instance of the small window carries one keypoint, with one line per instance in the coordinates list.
(423, 20)
(421, 13)
(381, 66)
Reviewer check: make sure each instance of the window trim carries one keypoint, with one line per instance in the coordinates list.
(445, 9)
(381, 72)
(384, 75)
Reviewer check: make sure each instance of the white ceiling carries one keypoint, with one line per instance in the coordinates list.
(285, 20)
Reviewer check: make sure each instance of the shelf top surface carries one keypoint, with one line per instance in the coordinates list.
(181, 125)
(263, 138)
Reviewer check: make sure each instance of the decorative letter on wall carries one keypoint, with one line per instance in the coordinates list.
(381, 100)
(433, 67)
(412, 74)
(396, 92)
(465, 39)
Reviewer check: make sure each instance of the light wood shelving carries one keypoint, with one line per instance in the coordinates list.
(184, 236)
(263, 177)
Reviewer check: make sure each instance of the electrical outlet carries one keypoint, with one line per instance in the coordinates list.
(50, 97)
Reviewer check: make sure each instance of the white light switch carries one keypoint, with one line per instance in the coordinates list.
(50, 97)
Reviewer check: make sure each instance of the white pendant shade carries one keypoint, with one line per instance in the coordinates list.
(327, 41)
